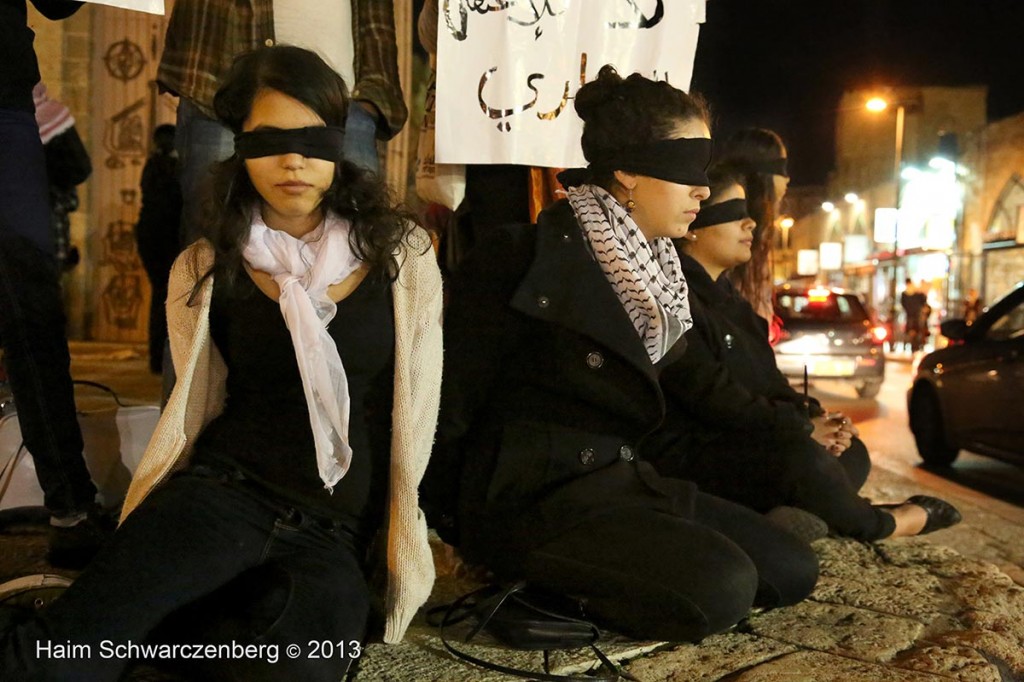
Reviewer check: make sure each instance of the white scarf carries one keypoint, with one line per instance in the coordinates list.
(646, 276)
(303, 269)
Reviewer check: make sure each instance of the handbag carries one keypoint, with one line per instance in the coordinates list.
(520, 618)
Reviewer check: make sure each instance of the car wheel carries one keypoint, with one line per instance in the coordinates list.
(928, 429)
(869, 389)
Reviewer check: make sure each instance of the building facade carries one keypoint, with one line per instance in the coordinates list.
(867, 240)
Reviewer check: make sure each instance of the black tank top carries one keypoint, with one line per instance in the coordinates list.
(264, 430)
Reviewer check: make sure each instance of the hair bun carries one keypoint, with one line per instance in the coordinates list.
(606, 89)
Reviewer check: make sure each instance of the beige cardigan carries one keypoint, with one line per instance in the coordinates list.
(199, 393)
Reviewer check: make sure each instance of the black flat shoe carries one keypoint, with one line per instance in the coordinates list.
(941, 514)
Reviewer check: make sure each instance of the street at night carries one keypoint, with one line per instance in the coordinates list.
(474, 340)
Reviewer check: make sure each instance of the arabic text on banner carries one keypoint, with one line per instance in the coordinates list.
(508, 69)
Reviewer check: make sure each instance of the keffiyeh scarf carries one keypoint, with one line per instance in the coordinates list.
(304, 269)
(646, 276)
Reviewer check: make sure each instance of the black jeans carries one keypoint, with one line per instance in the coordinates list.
(655, 575)
(32, 322)
(797, 472)
(676, 566)
(217, 544)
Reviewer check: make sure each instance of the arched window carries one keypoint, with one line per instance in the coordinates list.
(1005, 221)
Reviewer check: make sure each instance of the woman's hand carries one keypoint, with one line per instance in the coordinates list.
(834, 432)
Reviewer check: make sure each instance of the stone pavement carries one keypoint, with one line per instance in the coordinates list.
(904, 610)
(949, 606)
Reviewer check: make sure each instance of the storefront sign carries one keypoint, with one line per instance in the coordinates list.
(807, 262)
(885, 225)
(830, 255)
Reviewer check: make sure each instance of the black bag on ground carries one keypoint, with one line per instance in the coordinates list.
(523, 619)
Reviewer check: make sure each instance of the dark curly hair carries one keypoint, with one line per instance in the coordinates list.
(619, 113)
(378, 224)
(753, 278)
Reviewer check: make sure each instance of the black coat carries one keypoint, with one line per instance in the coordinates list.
(728, 380)
(548, 392)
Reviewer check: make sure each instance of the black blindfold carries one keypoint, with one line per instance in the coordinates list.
(683, 160)
(318, 142)
(718, 214)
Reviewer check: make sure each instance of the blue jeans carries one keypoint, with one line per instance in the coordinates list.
(215, 561)
(32, 322)
(202, 141)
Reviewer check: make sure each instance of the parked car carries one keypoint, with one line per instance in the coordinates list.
(970, 395)
(831, 333)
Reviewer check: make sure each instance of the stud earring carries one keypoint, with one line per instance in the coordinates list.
(630, 204)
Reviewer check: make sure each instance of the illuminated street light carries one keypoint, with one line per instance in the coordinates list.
(877, 104)
(786, 222)
(851, 198)
(828, 206)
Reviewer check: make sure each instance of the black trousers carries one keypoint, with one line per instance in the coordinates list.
(32, 322)
(205, 559)
(657, 571)
(797, 472)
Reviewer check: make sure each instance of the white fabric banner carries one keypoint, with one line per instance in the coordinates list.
(147, 6)
(508, 69)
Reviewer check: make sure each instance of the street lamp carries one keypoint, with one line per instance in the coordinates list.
(879, 104)
(786, 223)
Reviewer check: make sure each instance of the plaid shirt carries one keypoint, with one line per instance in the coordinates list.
(204, 37)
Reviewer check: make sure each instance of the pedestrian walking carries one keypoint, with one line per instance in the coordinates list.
(156, 233)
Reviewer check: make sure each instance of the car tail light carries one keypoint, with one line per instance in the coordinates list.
(879, 334)
(818, 295)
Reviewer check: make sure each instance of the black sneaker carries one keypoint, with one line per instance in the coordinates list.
(73, 546)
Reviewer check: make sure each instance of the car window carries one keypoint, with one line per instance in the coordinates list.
(827, 308)
(1009, 326)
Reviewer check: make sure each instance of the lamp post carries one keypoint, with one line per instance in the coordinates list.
(786, 223)
(878, 104)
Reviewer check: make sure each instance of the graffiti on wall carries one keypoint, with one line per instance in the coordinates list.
(121, 297)
(126, 135)
(126, 109)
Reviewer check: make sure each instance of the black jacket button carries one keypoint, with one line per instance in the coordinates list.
(626, 453)
(594, 360)
(586, 456)
(542, 301)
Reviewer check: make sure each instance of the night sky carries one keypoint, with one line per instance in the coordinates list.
(783, 64)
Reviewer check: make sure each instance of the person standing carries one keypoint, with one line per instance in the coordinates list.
(156, 233)
(915, 329)
(356, 38)
(32, 322)
(972, 306)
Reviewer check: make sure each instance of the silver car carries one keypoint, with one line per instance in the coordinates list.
(829, 332)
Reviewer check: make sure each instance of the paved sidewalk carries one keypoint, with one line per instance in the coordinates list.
(948, 606)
